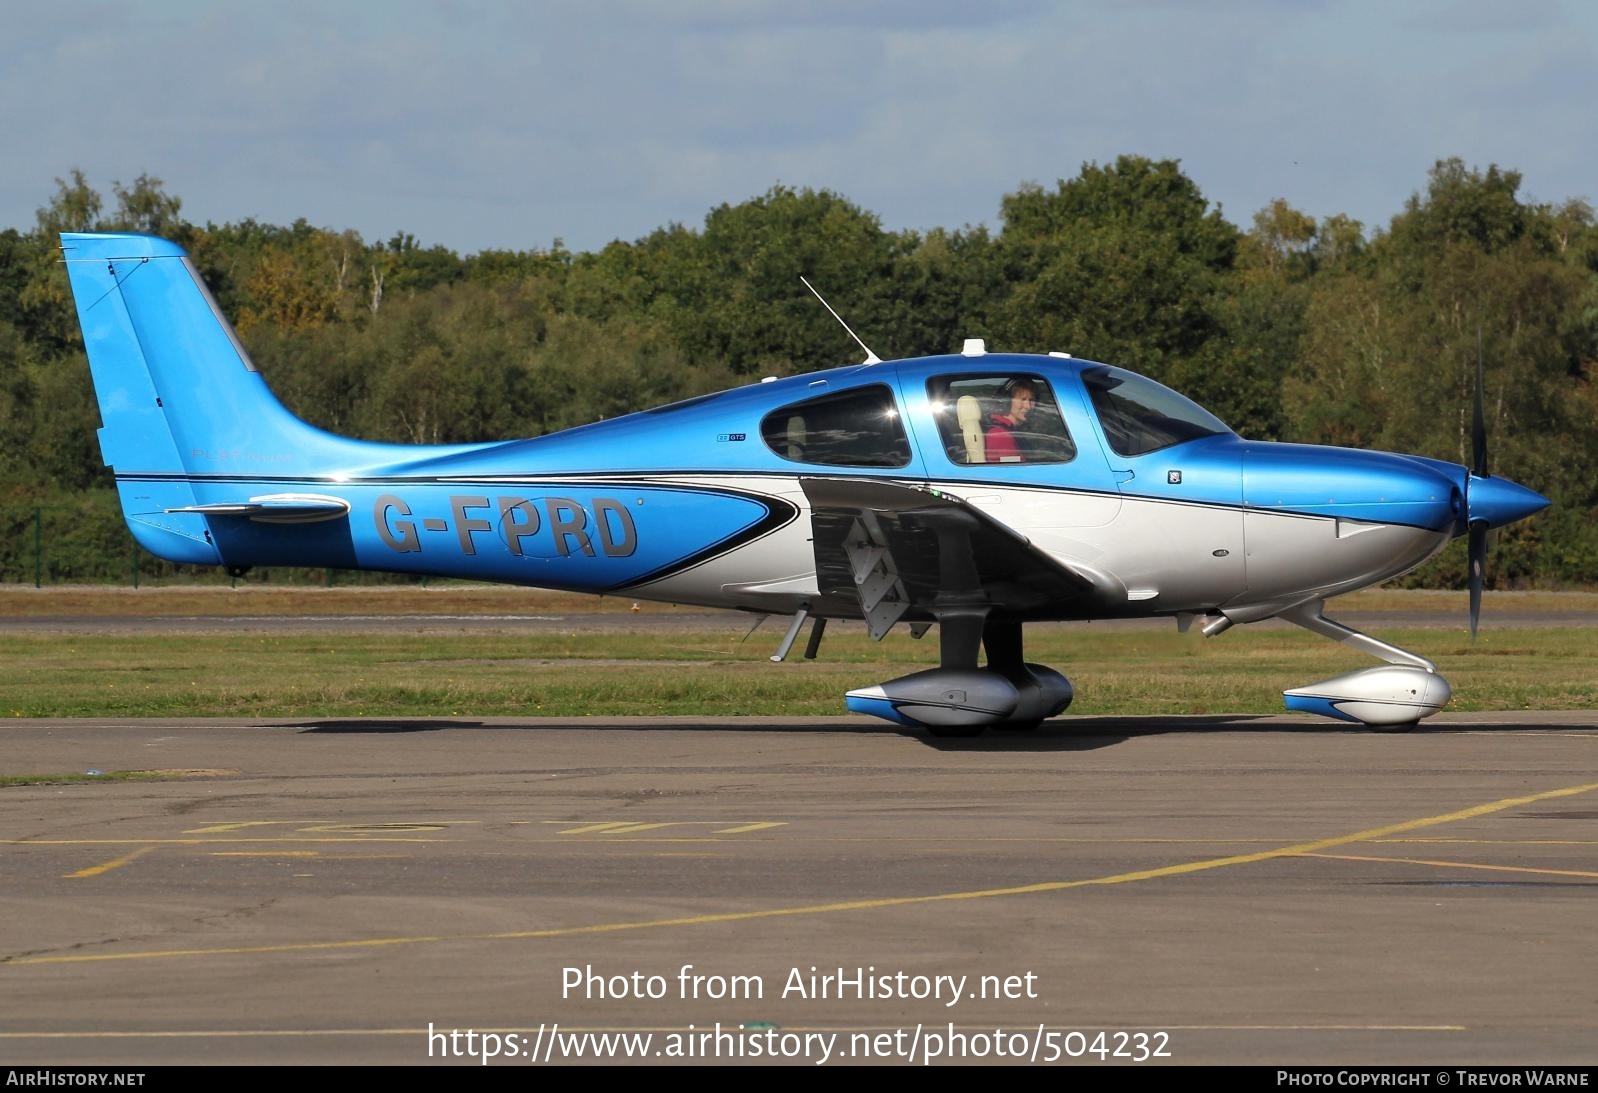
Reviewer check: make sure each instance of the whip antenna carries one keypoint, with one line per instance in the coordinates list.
(871, 358)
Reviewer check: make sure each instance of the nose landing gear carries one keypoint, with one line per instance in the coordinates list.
(1395, 696)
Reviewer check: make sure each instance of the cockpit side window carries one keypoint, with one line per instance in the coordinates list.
(1010, 418)
(856, 428)
(1140, 416)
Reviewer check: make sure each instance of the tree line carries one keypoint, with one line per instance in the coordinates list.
(1290, 329)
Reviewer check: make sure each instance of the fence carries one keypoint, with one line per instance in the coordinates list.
(85, 541)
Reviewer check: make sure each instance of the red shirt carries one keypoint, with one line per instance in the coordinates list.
(999, 443)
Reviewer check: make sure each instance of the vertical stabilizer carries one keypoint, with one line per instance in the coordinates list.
(177, 391)
(180, 400)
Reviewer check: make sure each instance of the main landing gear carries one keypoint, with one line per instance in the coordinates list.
(959, 698)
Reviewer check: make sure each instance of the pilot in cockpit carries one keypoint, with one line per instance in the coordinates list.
(1016, 399)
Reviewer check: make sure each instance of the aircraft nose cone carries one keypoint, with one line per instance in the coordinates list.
(1498, 501)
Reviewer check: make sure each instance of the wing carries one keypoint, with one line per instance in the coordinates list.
(895, 552)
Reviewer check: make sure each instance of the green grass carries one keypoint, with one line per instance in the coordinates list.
(710, 672)
(458, 597)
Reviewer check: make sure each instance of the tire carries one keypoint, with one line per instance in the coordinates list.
(955, 732)
(1019, 726)
(1403, 726)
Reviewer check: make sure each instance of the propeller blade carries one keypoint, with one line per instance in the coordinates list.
(1478, 430)
(1478, 569)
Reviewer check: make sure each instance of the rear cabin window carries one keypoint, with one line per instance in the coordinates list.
(855, 428)
(999, 419)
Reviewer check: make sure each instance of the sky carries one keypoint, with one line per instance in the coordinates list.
(510, 125)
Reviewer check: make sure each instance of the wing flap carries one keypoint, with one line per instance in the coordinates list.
(898, 550)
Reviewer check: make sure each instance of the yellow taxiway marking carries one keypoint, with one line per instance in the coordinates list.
(379, 828)
(240, 825)
(655, 841)
(235, 1033)
(1461, 865)
(193, 842)
(1180, 869)
(952, 837)
(321, 855)
(327, 826)
(631, 827)
(1496, 842)
(1103, 840)
(106, 867)
(588, 828)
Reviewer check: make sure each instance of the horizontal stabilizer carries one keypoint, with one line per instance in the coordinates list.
(277, 508)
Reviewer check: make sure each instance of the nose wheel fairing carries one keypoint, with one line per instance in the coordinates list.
(1390, 694)
(1407, 689)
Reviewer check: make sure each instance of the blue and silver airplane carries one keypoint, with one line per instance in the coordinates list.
(976, 491)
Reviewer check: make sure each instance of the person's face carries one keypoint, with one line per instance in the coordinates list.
(1021, 403)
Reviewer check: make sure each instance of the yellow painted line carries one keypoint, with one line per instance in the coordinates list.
(1461, 865)
(266, 853)
(1107, 840)
(1496, 842)
(106, 867)
(251, 1033)
(240, 825)
(361, 829)
(619, 827)
(1085, 840)
(801, 839)
(1090, 841)
(193, 842)
(326, 826)
(1180, 869)
(959, 842)
(657, 839)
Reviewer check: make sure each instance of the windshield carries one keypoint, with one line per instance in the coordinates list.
(1140, 416)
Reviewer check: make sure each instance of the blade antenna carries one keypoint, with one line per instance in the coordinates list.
(871, 358)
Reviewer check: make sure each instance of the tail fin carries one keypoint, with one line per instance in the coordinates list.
(177, 391)
(180, 400)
